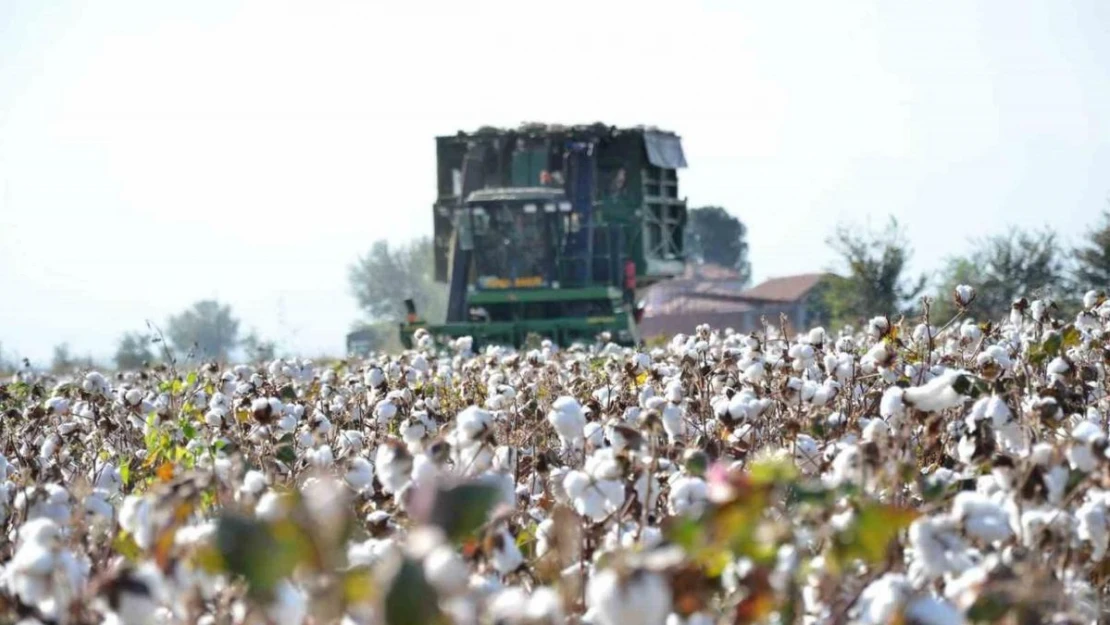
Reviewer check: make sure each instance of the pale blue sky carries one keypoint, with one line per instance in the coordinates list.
(155, 153)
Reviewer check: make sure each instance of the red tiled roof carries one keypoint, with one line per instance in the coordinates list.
(691, 304)
(785, 289)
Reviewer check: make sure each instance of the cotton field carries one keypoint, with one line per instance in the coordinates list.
(896, 473)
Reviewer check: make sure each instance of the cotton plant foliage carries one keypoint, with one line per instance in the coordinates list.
(909, 471)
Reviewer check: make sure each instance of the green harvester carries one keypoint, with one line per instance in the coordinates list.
(550, 231)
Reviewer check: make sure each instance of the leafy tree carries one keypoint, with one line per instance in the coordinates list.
(258, 349)
(1092, 270)
(62, 361)
(133, 351)
(207, 330)
(714, 236)
(1002, 268)
(385, 277)
(873, 282)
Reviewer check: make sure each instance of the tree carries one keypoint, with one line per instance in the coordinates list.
(207, 330)
(714, 236)
(874, 282)
(62, 360)
(133, 351)
(1092, 270)
(258, 349)
(384, 278)
(1002, 268)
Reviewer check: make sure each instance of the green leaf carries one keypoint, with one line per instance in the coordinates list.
(261, 553)
(411, 600)
(460, 510)
(124, 544)
(988, 608)
(188, 430)
(191, 379)
(1071, 337)
(870, 532)
(773, 471)
(288, 393)
(125, 472)
(1052, 343)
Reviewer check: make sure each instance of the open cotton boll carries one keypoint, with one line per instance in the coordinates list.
(472, 424)
(568, 419)
(393, 465)
(937, 394)
(504, 553)
(981, 518)
(360, 475)
(882, 599)
(1081, 453)
(688, 496)
(640, 597)
(446, 570)
(254, 482)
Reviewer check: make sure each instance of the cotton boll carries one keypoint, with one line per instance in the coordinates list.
(321, 457)
(937, 394)
(473, 423)
(881, 601)
(982, 519)
(290, 605)
(360, 475)
(594, 434)
(569, 421)
(927, 610)
(688, 496)
(254, 482)
(446, 571)
(637, 598)
(384, 411)
(1094, 524)
(673, 423)
(393, 465)
(504, 554)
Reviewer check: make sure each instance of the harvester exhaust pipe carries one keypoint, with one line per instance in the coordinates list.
(410, 310)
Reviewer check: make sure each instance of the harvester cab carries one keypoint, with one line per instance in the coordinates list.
(549, 231)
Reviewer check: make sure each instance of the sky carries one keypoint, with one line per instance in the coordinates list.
(153, 154)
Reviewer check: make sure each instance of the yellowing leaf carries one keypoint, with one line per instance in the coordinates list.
(870, 532)
(358, 586)
(165, 471)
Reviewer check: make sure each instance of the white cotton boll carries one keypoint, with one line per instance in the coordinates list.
(373, 377)
(594, 434)
(349, 441)
(545, 606)
(254, 482)
(876, 431)
(473, 423)
(937, 394)
(1088, 322)
(1080, 453)
(639, 598)
(927, 610)
(982, 519)
(136, 518)
(133, 397)
(214, 418)
(384, 411)
(642, 362)
(568, 419)
(1094, 524)
(321, 457)
(673, 393)
(847, 467)
(271, 506)
(290, 605)
(371, 552)
(688, 496)
(963, 294)
(936, 549)
(505, 555)
(673, 423)
(446, 571)
(880, 602)
(97, 506)
(970, 331)
(360, 475)
(754, 373)
(393, 466)
(816, 336)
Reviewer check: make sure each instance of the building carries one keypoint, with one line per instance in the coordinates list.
(713, 295)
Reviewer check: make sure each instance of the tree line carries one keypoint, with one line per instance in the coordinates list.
(871, 278)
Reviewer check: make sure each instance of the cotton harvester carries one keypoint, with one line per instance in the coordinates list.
(551, 230)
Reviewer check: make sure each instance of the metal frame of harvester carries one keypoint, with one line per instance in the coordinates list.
(549, 231)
